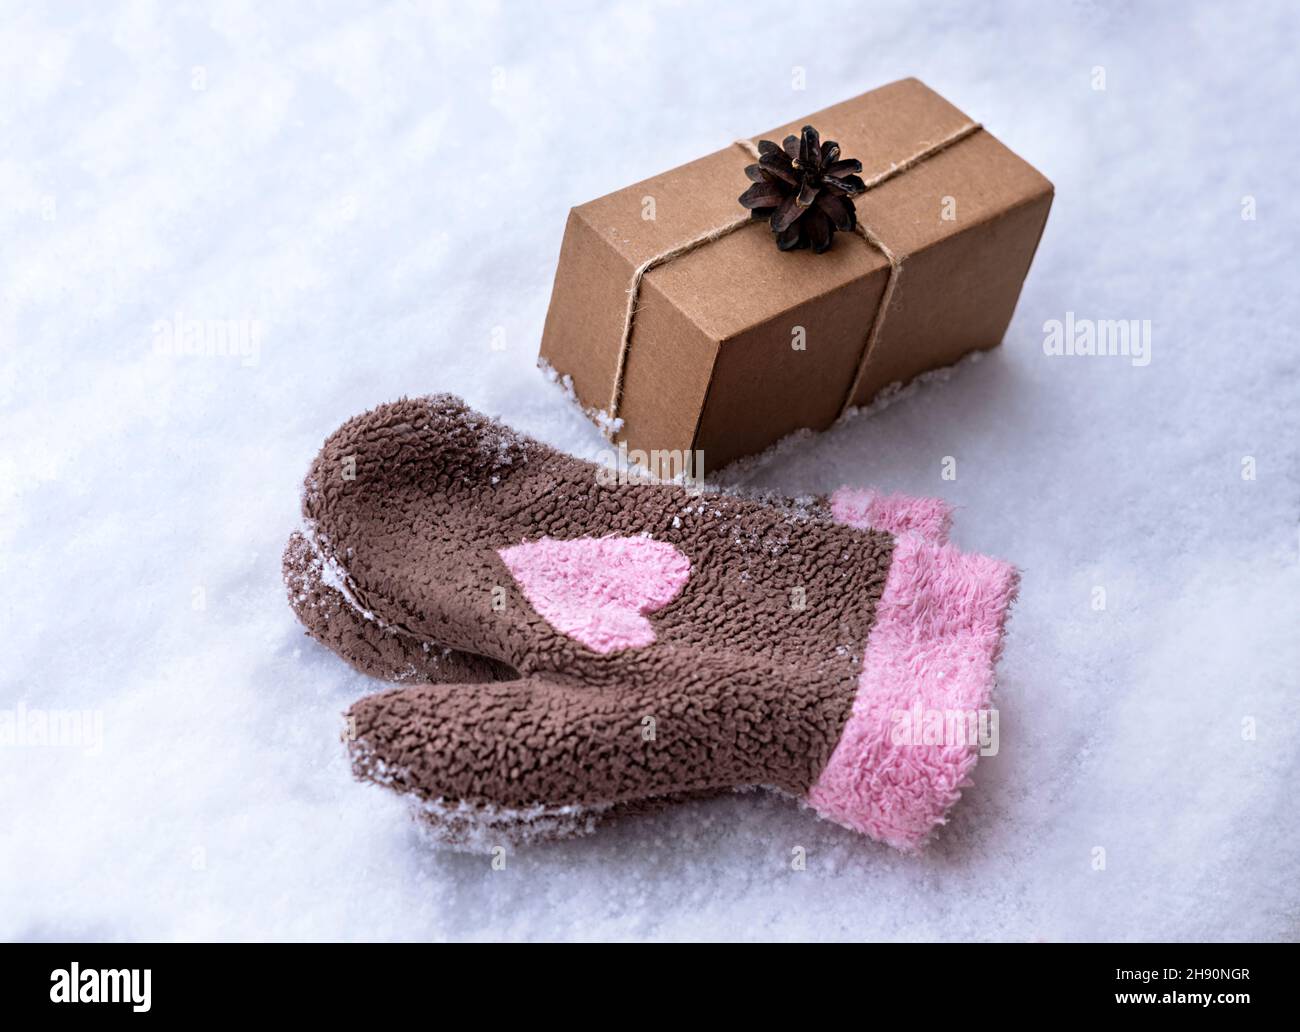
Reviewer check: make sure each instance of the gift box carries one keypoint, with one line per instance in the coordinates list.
(685, 328)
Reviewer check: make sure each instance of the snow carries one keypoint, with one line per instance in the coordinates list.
(359, 201)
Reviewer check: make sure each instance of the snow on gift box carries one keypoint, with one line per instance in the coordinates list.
(684, 327)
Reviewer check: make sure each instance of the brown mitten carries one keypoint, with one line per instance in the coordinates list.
(666, 643)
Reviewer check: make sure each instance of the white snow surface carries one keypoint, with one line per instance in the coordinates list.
(377, 191)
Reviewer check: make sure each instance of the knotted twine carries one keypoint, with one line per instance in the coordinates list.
(727, 228)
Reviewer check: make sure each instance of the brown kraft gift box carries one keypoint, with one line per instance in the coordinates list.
(730, 343)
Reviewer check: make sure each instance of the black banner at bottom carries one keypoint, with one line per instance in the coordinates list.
(142, 982)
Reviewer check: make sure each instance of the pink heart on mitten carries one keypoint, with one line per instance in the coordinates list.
(598, 590)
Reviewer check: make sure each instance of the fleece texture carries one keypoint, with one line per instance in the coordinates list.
(599, 591)
(319, 599)
(630, 644)
(913, 736)
(931, 518)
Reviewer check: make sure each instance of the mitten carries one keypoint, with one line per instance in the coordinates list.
(666, 643)
(318, 595)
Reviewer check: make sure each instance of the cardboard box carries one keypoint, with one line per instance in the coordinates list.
(733, 344)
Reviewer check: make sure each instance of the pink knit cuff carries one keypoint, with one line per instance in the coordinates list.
(922, 709)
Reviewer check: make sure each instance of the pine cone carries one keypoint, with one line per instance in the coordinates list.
(804, 187)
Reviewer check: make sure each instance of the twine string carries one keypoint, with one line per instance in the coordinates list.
(727, 228)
